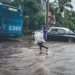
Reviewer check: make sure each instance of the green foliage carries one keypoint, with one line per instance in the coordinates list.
(69, 20)
(63, 3)
(31, 8)
(37, 21)
(32, 5)
(69, 15)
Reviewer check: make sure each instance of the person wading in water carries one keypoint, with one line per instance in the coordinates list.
(39, 40)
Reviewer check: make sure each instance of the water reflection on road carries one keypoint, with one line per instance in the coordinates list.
(16, 58)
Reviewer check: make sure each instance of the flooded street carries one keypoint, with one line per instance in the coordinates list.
(16, 58)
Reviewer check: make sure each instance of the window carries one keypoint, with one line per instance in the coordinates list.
(61, 31)
(57, 31)
(54, 31)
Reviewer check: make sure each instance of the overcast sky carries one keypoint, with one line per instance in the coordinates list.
(73, 3)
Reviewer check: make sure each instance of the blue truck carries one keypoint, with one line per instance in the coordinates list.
(11, 22)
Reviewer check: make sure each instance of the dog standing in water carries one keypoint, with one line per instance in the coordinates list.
(39, 40)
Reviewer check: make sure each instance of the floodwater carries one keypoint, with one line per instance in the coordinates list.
(17, 58)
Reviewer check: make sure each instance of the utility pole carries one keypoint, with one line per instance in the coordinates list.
(47, 8)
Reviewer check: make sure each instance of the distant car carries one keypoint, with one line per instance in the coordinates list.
(60, 34)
